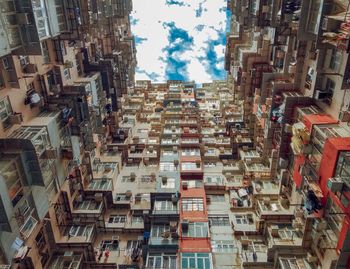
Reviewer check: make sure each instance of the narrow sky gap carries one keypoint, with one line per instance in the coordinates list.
(180, 39)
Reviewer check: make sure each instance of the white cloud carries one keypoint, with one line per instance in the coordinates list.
(150, 18)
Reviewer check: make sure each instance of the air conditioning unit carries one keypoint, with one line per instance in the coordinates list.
(98, 197)
(128, 194)
(344, 116)
(274, 230)
(297, 224)
(184, 225)
(311, 258)
(166, 234)
(16, 118)
(175, 198)
(335, 184)
(184, 185)
(330, 24)
(138, 197)
(266, 201)
(173, 226)
(320, 95)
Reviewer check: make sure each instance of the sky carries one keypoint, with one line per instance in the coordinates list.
(180, 39)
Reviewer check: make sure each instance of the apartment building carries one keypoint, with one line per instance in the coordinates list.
(63, 69)
(288, 63)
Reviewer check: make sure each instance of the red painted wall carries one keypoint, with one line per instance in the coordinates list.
(298, 161)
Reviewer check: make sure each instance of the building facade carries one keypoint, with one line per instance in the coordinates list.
(98, 170)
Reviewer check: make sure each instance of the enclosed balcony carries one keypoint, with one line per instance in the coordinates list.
(280, 235)
(77, 234)
(165, 235)
(100, 184)
(68, 259)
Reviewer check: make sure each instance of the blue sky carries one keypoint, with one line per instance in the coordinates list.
(180, 39)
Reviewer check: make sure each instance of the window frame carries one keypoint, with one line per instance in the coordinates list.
(192, 204)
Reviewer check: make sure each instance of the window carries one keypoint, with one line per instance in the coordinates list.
(197, 229)
(209, 165)
(192, 204)
(117, 219)
(335, 61)
(111, 245)
(219, 220)
(5, 63)
(190, 152)
(45, 52)
(223, 246)
(24, 208)
(330, 85)
(168, 153)
(216, 198)
(12, 173)
(288, 263)
(137, 219)
(132, 244)
(193, 183)
(343, 165)
(335, 218)
(165, 206)
(167, 166)
(314, 16)
(286, 233)
(79, 231)
(196, 260)
(28, 226)
(2, 81)
(159, 230)
(5, 112)
(170, 184)
(23, 60)
(214, 179)
(161, 261)
(146, 179)
(66, 73)
(121, 198)
(244, 219)
(190, 166)
(127, 179)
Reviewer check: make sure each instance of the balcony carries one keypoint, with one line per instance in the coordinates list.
(165, 207)
(163, 236)
(216, 182)
(241, 198)
(77, 234)
(280, 235)
(69, 260)
(102, 184)
(274, 209)
(265, 187)
(87, 206)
